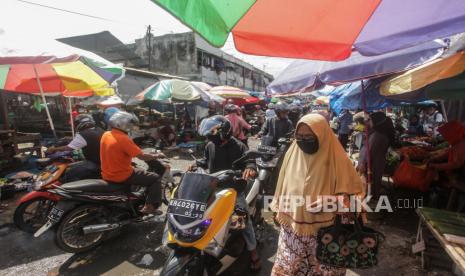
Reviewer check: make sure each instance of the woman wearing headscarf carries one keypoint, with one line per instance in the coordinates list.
(381, 136)
(315, 165)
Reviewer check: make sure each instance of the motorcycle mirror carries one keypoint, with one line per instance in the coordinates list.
(250, 154)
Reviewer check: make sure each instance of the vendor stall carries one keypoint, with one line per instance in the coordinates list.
(446, 229)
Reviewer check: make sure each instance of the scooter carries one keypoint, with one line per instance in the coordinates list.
(90, 211)
(269, 164)
(203, 226)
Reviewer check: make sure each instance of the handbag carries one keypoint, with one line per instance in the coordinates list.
(348, 245)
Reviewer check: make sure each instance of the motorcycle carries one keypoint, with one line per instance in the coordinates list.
(90, 211)
(32, 208)
(203, 228)
(269, 164)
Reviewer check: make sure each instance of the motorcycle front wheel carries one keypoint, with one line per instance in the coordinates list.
(29, 216)
(69, 235)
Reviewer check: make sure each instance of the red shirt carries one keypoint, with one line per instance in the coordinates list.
(116, 153)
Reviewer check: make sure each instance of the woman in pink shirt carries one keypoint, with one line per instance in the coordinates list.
(238, 123)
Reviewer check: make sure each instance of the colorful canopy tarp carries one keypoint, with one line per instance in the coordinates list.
(245, 101)
(229, 92)
(321, 30)
(168, 90)
(421, 76)
(61, 69)
(302, 74)
(202, 85)
(349, 96)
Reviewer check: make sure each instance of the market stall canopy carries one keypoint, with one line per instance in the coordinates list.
(245, 101)
(302, 74)
(105, 101)
(168, 90)
(202, 85)
(321, 30)
(421, 76)
(230, 92)
(349, 96)
(446, 89)
(60, 69)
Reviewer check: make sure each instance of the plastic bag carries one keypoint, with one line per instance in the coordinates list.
(412, 177)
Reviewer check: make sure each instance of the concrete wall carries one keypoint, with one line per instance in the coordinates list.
(190, 56)
(173, 54)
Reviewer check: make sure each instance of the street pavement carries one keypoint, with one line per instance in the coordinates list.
(138, 251)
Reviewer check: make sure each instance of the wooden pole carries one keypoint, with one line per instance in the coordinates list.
(4, 111)
(367, 142)
(45, 102)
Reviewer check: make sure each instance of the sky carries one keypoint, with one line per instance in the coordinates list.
(126, 19)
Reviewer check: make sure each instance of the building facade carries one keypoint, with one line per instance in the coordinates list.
(190, 56)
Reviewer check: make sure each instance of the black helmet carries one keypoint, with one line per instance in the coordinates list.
(230, 108)
(281, 106)
(83, 121)
(216, 125)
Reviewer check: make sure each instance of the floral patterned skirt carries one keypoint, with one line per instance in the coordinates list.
(296, 256)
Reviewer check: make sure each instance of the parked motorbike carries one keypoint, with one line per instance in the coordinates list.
(203, 228)
(90, 211)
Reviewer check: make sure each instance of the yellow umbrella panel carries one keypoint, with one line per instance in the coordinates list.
(421, 76)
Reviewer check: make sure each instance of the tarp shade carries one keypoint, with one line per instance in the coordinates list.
(421, 76)
(398, 24)
(349, 96)
(302, 74)
(212, 19)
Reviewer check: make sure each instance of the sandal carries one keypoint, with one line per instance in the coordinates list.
(255, 265)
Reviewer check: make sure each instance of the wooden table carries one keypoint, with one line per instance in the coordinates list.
(455, 251)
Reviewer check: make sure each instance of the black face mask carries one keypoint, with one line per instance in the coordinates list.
(216, 139)
(309, 146)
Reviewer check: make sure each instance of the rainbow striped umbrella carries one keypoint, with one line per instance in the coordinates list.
(55, 69)
(177, 90)
(319, 29)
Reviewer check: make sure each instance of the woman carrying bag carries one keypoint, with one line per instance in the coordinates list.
(315, 165)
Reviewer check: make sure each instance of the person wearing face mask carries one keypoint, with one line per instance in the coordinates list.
(315, 165)
(276, 127)
(220, 153)
(116, 152)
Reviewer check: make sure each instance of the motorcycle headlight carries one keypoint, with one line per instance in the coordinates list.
(191, 234)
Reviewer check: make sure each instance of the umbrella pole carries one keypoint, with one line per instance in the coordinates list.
(44, 101)
(444, 112)
(367, 142)
(71, 116)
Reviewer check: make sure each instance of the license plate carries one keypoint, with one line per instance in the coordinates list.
(55, 214)
(187, 208)
(266, 149)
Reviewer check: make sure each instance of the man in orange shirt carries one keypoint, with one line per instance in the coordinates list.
(116, 153)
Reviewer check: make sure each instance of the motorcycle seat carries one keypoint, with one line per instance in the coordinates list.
(94, 185)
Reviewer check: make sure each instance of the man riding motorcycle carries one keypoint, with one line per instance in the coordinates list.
(220, 153)
(277, 127)
(87, 139)
(117, 151)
